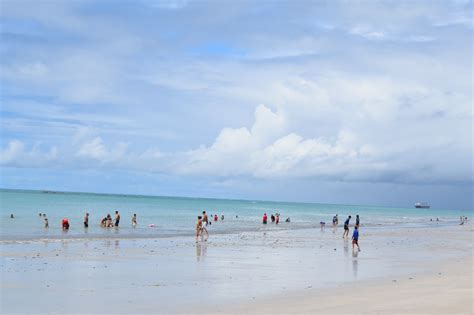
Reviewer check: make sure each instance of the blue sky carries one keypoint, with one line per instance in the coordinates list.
(323, 101)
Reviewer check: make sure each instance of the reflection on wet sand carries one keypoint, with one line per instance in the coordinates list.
(355, 262)
(201, 250)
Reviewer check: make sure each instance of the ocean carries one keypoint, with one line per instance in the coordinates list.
(176, 216)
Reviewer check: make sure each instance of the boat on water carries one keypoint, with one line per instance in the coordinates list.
(422, 205)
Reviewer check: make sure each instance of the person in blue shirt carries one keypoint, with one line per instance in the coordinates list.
(346, 227)
(355, 238)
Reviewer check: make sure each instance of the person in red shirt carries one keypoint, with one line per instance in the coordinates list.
(215, 217)
(65, 224)
(265, 218)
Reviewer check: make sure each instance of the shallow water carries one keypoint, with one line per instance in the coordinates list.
(176, 216)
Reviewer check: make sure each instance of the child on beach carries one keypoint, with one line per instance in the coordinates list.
(264, 219)
(355, 238)
(134, 220)
(198, 228)
(346, 227)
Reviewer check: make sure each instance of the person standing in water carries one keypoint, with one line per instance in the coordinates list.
(117, 218)
(46, 223)
(134, 220)
(86, 220)
(346, 227)
(205, 221)
(198, 228)
(355, 238)
(264, 219)
(65, 224)
(357, 221)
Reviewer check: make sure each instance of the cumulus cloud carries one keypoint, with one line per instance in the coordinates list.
(366, 92)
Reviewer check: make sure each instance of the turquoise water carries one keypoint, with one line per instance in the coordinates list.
(174, 216)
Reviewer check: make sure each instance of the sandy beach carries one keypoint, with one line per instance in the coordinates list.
(449, 290)
(307, 271)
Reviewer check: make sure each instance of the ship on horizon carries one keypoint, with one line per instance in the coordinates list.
(422, 205)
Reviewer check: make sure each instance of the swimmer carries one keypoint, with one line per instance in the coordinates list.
(46, 223)
(11, 216)
(277, 218)
(287, 220)
(134, 220)
(103, 222)
(39, 214)
(222, 217)
(272, 217)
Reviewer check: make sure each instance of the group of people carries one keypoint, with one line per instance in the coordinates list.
(203, 222)
(105, 222)
(275, 218)
(355, 234)
(462, 220)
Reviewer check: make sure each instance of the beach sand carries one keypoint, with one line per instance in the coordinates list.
(448, 291)
(308, 271)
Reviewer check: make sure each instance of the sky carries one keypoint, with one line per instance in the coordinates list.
(362, 102)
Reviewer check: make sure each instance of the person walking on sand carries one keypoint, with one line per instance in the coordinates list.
(205, 222)
(346, 227)
(198, 228)
(117, 218)
(355, 238)
(86, 220)
(134, 220)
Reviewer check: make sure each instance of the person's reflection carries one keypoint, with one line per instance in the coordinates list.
(201, 250)
(355, 262)
(346, 248)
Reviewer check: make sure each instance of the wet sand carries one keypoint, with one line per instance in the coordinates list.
(291, 271)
